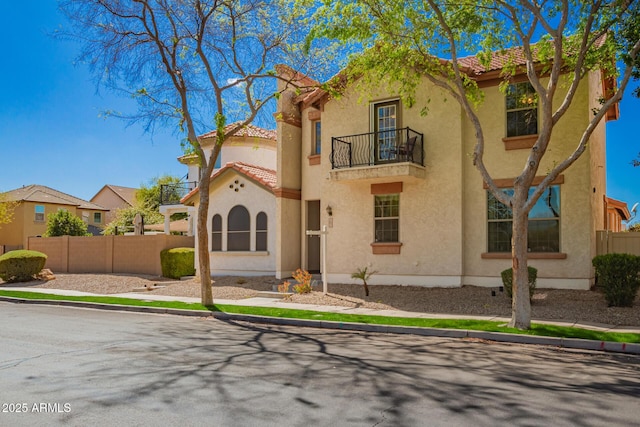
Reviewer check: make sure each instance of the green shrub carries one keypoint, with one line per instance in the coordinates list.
(21, 266)
(178, 262)
(619, 276)
(507, 280)
(64, 223)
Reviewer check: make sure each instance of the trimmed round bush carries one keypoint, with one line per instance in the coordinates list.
(619, 277)
(178, 262)
(21, 266)
(507, 280)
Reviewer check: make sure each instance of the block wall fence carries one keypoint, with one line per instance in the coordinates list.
(107, 254)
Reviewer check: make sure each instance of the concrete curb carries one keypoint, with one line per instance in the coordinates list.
(570, 343)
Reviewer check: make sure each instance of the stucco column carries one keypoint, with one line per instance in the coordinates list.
(288, 185)
(167, 222)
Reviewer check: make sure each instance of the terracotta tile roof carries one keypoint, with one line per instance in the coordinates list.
(498, 60)
(248, 130)
(44, 194)
(262, 176)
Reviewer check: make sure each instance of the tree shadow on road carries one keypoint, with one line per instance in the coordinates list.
(264, 373)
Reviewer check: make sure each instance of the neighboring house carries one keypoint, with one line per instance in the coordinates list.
(114, 197)
(35, 203)
(617, 212)
(242, 204)
(400, 194)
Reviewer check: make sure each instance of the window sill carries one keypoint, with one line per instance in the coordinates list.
(314, 159)
(530, 255)
(519, 142)
(386, 248)
(239, 253)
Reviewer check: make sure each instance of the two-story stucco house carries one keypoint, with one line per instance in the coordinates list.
(399, 193)
(35, 203)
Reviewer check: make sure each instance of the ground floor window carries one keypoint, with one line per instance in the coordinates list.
(216, 233)
(387, 216)
(544, 223)
(238, 231)
(261, 232)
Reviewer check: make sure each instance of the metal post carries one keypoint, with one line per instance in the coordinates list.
(323, 243)
(323, 254)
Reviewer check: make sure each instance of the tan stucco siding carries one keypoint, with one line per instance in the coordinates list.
(12, 234)
(430, 215)
(597, 155)
(108, 199)
(24, 224)
(576, 223)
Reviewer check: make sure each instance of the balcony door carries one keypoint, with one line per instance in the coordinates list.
(385, 121)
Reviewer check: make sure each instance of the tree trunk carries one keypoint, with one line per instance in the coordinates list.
(366, 288)
(203, 243)
(520, 303)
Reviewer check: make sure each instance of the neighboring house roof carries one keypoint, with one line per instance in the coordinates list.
(620, 207)
(44, 194)
(247, 130)
(127, 194)
(262, 176)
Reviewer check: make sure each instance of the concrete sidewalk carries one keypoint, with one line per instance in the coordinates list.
(280, 303)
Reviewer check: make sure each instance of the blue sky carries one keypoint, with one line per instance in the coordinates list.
(51, 132)
(50, 129)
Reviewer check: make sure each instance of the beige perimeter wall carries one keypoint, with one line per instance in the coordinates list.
(107, 254)
(618, 243)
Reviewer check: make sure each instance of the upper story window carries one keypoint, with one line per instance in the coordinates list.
(544, 223)
(386, 217)
(317, 137)
(522, 110)
(39, 213)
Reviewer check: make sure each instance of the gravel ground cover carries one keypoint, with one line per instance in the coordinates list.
(548, 304)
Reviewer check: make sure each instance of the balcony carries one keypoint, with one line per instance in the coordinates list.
(170, 194)
(398, 152)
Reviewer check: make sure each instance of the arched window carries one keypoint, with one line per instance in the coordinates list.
(238, 231)
(261, 232)
(216, 233)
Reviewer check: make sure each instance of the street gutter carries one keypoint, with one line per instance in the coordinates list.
(567, 343)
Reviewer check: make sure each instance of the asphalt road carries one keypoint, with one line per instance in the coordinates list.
(66, 366)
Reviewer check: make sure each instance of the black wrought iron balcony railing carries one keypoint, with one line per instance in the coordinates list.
(377, 148)
(170, 194)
